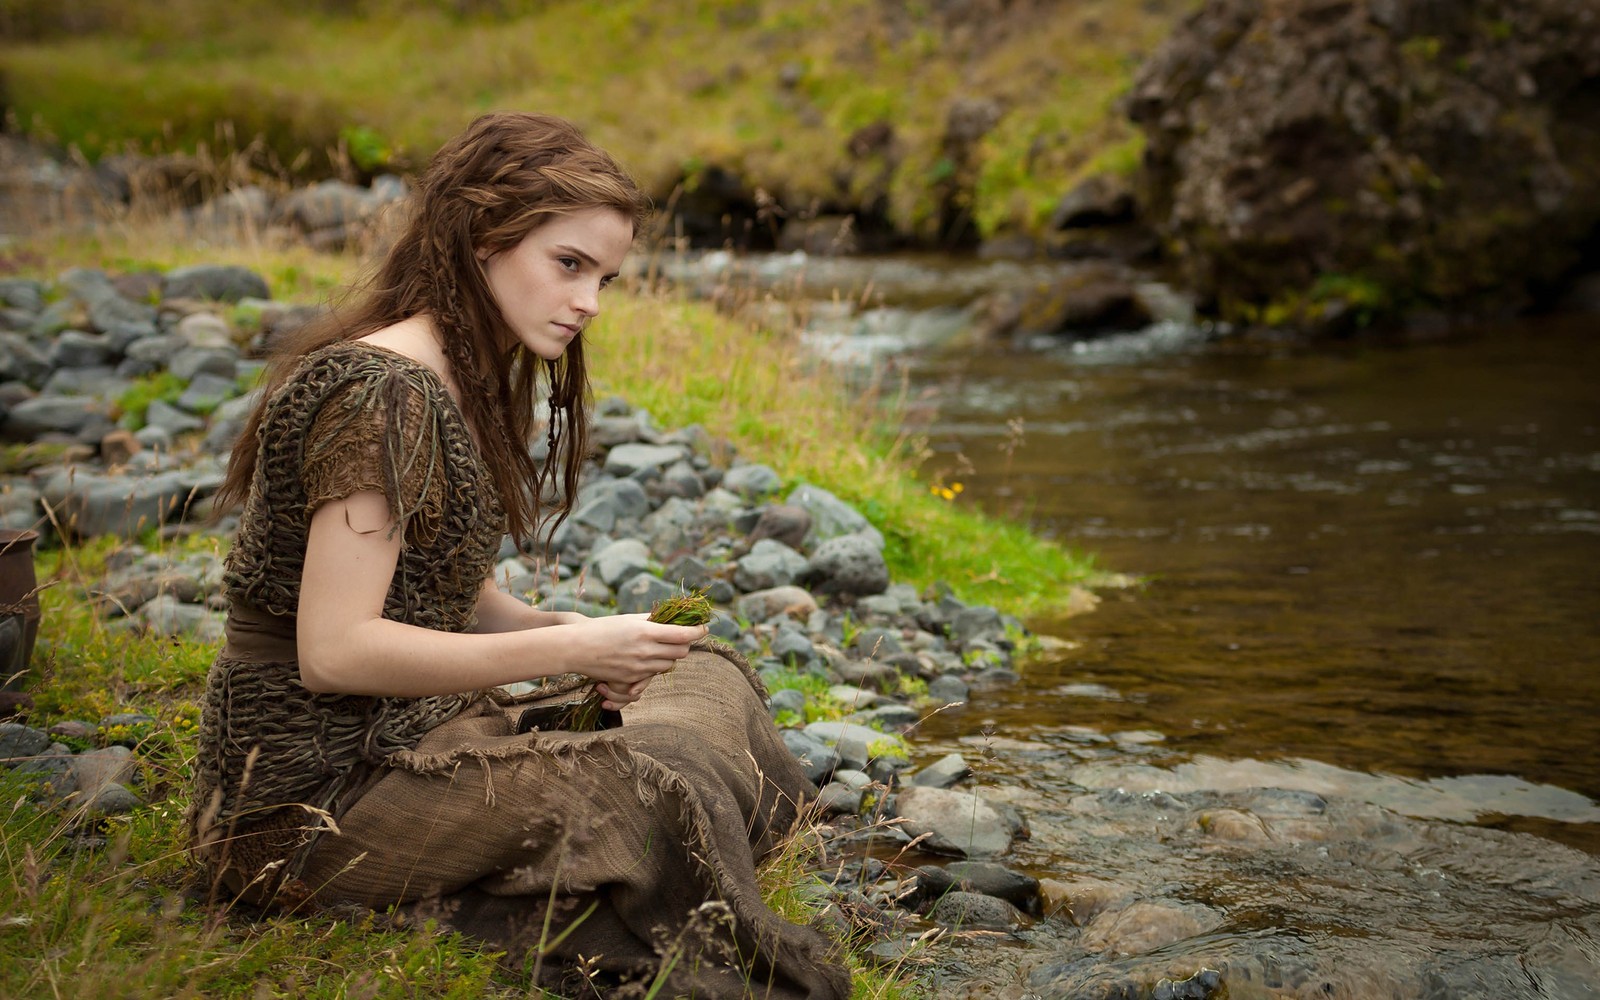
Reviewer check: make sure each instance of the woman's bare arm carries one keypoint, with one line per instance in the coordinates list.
(498, 611)
(346, 645)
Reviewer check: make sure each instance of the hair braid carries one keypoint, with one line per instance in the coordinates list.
(486, 190)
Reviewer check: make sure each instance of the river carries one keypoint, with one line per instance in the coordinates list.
(1340, 738)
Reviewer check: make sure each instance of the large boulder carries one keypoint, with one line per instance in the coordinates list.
(1330, 161)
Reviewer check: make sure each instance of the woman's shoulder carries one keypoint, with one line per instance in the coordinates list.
(355, 366)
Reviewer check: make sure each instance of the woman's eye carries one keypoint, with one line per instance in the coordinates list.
(605, 281)
(570, 263)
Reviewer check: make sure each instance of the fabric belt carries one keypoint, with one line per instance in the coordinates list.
(256, 636)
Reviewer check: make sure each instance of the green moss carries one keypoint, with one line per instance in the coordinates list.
(135, 401)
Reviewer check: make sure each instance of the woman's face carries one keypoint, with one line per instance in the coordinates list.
(548, 286)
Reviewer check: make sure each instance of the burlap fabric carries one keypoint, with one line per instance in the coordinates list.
(631, 851)
(648, 835)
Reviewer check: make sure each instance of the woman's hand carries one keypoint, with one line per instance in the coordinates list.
(625, 652)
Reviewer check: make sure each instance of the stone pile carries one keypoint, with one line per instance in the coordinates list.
(853, 659)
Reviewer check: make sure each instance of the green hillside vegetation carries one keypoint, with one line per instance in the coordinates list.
(770, 91)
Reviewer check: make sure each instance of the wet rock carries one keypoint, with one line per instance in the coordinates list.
(948, 690)
(837, 798)
(1147, 925)
(945, 772)
(856, 745)
(996, 880)
(817, 758)
(1101, 200)
(1079, 899)
(958, 823)
(974, 911)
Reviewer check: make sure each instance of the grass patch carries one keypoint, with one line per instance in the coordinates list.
(771, 91)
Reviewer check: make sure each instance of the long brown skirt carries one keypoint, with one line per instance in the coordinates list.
(644, 837)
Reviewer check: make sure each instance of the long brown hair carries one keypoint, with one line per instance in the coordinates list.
(485, 190)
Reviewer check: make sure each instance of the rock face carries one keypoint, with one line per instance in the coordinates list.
(1324, 161)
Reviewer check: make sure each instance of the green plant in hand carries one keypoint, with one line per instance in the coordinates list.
(680, 609)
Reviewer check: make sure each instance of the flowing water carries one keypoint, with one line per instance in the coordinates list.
(1341, 737)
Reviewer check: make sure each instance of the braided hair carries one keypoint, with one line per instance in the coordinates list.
(507, 174)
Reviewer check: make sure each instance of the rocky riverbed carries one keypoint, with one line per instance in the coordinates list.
(1078, 860)
(853, 660)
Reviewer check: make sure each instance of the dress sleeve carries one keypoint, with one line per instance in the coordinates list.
(379, 434)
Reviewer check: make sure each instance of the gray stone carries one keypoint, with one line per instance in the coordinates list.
(76, 349)
(787, 700)
(206, 330)
(997, 880)
(942, 773)
(768, 564)
(877, 643)
(94, 769)
(626, 459)
(155, 352)
(154, 438)
(24, 293)
(856, 745)
(877, 606)
(783, 523)
(580, 588)
(602, 504)
(61, 414)
(852, 778)
(191, 361)
(722, 624)
(855, 698)
(19, 743)
(169, 418)
(225, 283)
(166, 615)
(830, 516)
(110, 800)
(90, 503)
(891, 716)
(688, 572)
(958, 823)
(670, 526)
(327, 206)
(99, 381)
(817, 759)
(751, 481)
(21, 361)
(619, 561)
(680, 479)
(792, 648)
(761, 605)
(639, 594)
(848, 564)
(1146, 925)
(228, 420)
(53, 767)
(975, 911)
(837, 798)
(208, 391)
(948, 690)
(977, 622)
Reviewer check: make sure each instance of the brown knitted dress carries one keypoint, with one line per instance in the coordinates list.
(645, 836)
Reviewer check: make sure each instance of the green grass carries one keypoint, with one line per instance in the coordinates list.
(107, 908)
(664, 92)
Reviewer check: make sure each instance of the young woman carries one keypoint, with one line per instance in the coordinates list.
(355, 743)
